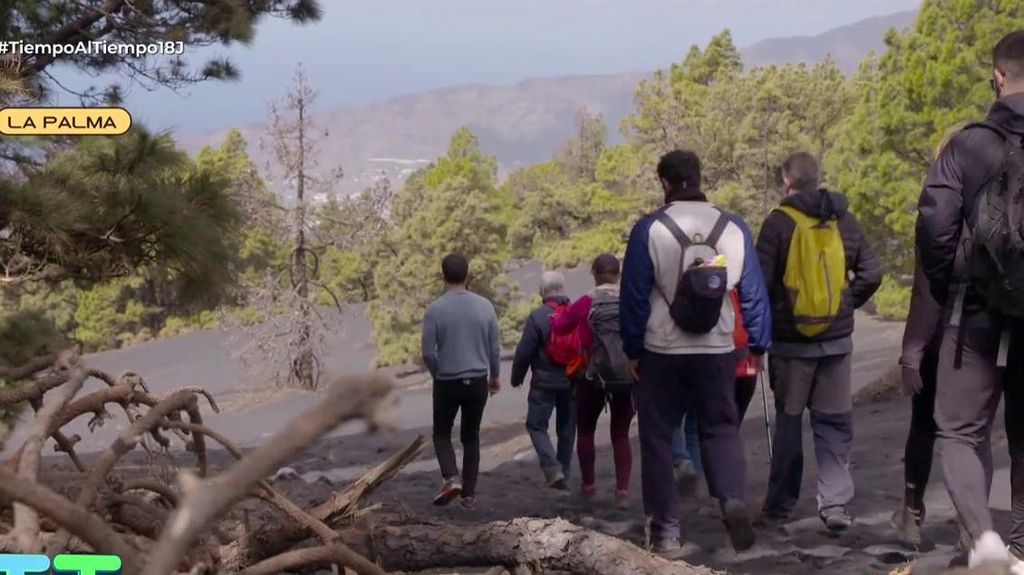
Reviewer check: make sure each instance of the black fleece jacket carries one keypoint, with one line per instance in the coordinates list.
(950, 197)
(861, 263)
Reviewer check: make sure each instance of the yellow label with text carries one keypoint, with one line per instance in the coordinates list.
(64, 121)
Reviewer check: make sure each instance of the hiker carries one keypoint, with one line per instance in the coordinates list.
(919, 363)
(686, 455)
(677, 323)
(549, 384)
(606, 380)
(969, 243)
(462, 353)
(819, 268)
(685, 441)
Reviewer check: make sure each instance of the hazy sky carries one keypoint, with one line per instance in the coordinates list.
(363, 51)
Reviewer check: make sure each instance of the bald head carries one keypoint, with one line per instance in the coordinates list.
(552, 284)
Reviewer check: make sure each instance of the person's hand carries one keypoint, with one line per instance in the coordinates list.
(634, 369)
(758, 353)
(758, 361)
(912, 382)
(495, 386)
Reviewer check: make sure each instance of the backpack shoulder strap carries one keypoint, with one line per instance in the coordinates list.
(716, 232)
(677, 232)
(793, 213)
(991, 126)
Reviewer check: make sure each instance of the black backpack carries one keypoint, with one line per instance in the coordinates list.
(996, 261)
(609, 366)
(701, 288)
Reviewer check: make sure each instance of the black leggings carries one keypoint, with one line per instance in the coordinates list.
(469, 395)
(918, 454)
(745, 388)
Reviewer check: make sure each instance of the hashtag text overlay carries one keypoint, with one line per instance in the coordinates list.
(91, 48)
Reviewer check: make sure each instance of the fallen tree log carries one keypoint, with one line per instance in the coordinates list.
(542, 544)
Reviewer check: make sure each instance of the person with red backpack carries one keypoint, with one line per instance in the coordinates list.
(605, 380)
(547, 357)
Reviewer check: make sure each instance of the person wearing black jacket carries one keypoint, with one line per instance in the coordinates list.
(549, 387)
(919, 363)
(970, 379)
(813, 373)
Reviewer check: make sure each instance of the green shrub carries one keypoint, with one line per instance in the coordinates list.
(892, 300)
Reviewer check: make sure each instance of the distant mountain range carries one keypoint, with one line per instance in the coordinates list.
(527, 122)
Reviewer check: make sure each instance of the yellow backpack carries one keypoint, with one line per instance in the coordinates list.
(815, 278)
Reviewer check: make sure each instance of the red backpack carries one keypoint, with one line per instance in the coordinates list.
(564, 350)
(749, 365)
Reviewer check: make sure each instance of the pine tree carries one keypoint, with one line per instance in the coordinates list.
(450, 207)
(930, 80)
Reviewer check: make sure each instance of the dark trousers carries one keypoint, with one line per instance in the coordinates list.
(965, 408)
(541, 403)
(917, 457)
(451, 396)
(590, 402)
(686, 443)
(670, 385)
(821, 385)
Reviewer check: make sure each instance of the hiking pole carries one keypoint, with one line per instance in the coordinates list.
(767, 416)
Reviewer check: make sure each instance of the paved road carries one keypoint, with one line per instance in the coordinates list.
(203, 359)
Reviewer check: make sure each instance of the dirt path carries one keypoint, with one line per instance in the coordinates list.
(510, 486)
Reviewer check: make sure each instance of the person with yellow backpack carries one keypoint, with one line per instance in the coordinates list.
(819, 268)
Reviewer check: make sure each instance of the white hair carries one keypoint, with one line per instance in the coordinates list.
(551, 283)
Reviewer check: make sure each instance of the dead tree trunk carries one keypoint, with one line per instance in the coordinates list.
(542, 544)
(304, 362)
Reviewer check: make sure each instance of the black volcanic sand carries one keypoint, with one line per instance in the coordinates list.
(510, 486)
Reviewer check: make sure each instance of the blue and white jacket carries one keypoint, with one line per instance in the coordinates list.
(652, 263)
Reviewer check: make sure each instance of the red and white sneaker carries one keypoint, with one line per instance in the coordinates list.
(451, 491)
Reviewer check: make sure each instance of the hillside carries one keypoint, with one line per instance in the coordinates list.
(526, 122)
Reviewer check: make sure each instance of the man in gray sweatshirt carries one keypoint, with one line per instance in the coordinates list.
(462, 352)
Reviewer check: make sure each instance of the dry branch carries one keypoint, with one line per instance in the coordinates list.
(314, 557)
(29, 391)
(150, 485)
(282, 502)
(271, 539)
(26, 522)
(87, 526)
(346, 400)
(34, 365)
(123, 444)
(544, 544)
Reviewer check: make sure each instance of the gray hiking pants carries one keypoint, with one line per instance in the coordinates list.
(821, 385)
(965, 408)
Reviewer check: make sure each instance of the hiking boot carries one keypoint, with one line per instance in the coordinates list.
(737, 523)
(449, 492)
(557, 481)
(686, 478)
(836, 518)
(908, 522)
(468, 502)
(669, 549)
